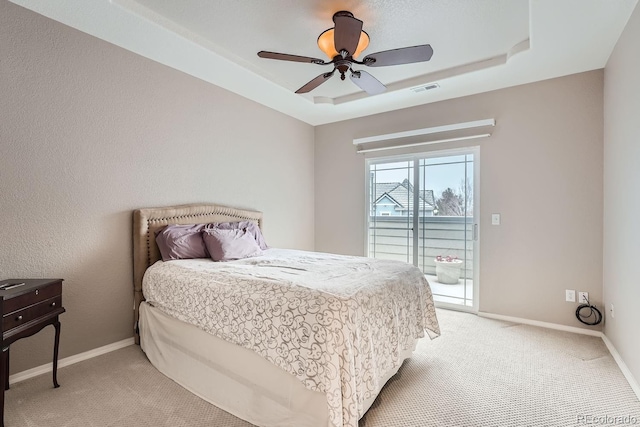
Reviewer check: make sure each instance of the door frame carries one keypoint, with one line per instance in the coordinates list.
(475, 151)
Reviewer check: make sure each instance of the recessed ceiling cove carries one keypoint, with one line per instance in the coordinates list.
(478, 45)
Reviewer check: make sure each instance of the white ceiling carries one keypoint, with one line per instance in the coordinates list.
(479, 45)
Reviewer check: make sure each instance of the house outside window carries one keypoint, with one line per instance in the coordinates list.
(396, 199)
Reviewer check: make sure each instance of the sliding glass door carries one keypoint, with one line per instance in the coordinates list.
(391, 215)
(421, 211)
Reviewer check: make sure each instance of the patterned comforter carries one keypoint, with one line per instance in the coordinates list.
(338, 323)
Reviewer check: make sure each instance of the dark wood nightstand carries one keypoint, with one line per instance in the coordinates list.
(28, 305)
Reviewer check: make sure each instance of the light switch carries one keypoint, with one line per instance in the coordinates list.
(495, 219)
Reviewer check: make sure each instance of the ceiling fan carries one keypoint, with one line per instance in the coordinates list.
(343, 44)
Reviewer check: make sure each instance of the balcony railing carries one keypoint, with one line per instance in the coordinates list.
(391, 237)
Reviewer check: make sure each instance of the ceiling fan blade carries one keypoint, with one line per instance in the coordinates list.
(287, 57)
(367, 82)
(315, 82)
(405, 55)
(347, 32)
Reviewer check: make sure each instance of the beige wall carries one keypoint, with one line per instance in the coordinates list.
(541, 169)
(621, 203)
(89, 132)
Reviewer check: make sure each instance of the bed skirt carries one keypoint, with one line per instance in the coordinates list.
(231, 377)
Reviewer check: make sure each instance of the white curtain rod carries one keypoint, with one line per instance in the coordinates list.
(393, 147)
(425, 131)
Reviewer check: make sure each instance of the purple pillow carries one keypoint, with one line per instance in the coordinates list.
(181, 242)
(226, 245)
(249, 226)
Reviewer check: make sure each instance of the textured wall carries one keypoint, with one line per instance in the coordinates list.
(621, 203)
(541, 169)
(89, 132)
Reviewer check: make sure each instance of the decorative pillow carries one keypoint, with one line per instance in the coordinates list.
(181, 242)
(226, 245)
(249, 226)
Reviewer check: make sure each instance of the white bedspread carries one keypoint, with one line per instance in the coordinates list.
(337, 323)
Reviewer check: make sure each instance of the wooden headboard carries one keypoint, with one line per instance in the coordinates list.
(147, 221)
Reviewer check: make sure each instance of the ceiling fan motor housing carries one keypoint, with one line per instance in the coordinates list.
(343, 66)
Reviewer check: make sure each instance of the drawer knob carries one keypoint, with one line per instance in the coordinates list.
(19, 318)
(37, 292)
(53, 304)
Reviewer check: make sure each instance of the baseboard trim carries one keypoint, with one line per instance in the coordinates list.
(623, 366)
(547, 325)
(43, 369)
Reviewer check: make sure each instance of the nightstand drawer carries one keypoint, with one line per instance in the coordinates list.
(32, 297)
(17, 318)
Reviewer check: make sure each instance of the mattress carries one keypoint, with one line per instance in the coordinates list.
(338, 324)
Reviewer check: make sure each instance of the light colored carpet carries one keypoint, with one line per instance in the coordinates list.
(480, 372)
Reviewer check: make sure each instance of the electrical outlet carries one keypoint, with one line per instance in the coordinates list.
(583, 297)
(570, 295)
(612, 314)
(495, 219)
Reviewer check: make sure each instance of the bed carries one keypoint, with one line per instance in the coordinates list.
(289, 338)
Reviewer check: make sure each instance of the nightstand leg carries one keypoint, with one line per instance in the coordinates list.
(3, 372)
(6, 374)
(55, 354)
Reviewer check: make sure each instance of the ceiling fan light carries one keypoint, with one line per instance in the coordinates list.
(327, 45)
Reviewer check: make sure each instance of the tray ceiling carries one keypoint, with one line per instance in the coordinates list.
(478, 45)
